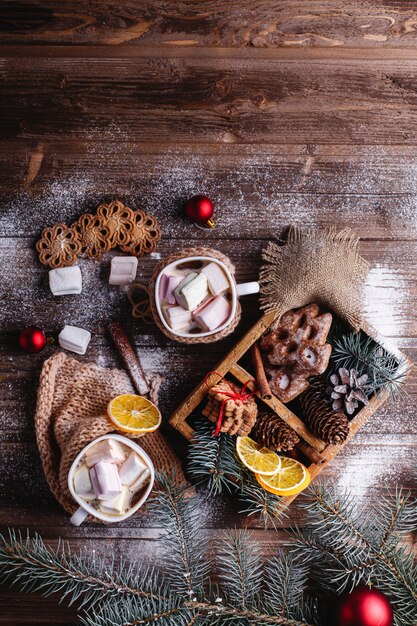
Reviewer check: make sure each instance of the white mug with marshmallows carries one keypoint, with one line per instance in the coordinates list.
(233, 292)
(87, 506)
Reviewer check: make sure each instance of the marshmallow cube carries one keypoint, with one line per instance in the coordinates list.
(117, 505)
(123, 270)
(74, 339)
(216, 278)
(106, 481)
(167, 286)
(191, 291)
(178, 318)
(131, 469)
(64, 281)
(82, 483)
(106, 451)
(141, 481)
(212, 314)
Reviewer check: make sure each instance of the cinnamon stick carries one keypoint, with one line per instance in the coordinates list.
(310, 453)
(260, 375)
(129, 357)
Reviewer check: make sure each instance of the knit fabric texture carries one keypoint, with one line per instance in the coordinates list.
(71, 411)
(315, 266)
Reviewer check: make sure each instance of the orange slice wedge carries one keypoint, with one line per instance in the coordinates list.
(134, 414)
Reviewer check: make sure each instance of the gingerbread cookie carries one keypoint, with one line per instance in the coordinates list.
(58, 246)
(296, 350)
(145, 235)
(238, 417)
(93, 235)
(119, 219)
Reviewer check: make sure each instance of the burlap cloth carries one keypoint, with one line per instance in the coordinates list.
(314, 266)
(182, 255)
(71, 412)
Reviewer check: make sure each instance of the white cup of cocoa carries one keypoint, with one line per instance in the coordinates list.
(197, 296)
(110, 479)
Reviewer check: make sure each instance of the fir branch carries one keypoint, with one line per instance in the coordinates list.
(185, 561)
(239, 569)
(80, 578)
(130, 612)
(212, 460)
(354, 550)
(360, 352)
(268, 507)
(123, 596)
(285, 584)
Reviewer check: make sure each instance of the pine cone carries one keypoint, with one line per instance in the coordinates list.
(330, 425)
(347, 389)
(273, 433)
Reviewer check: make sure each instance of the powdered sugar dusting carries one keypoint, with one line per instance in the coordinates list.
(366, 465)
(257, 190)
(385, 300)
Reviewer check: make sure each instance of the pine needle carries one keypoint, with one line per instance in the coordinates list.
(212, 460)
(355, 547)
(360, 352)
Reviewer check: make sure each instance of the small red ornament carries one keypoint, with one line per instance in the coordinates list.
(364, 607)
(32, 339)
(200, 209)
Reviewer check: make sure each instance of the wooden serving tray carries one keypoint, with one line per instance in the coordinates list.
(319, 453)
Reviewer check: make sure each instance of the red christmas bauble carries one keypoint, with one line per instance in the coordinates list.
(200, 209)
(32, 339)
(364, 607)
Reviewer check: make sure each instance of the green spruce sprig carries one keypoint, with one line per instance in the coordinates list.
(212, 462)
(342, 544)
(179, 516)
(267, 507)
(360, 352)
(123, 596)
(353, 547)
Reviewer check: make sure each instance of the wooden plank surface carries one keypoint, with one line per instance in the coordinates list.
(188, 24)
(283, 113)
(200, 100)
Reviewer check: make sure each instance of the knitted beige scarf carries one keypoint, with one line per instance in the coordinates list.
(71, 412)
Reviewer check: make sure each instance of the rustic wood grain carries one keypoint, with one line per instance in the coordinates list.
(283, 113)
(239, 23)
(215, 100)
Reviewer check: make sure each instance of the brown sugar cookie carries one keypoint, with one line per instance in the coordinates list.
(145, 234)
(58, 246)
(119, 219)
(296, 350)
(94, 236)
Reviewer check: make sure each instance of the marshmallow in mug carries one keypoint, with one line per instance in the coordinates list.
(191, 291)
(65, 280)
(106, 481)
(212, 313)
(216, 278)
(167, 287)
(74, 339)
(109, 476)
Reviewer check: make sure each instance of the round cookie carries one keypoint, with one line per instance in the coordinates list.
(119, 219)
(58, 246)
(94, 236)
(145, 234)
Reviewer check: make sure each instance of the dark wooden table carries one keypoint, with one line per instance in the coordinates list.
(283, 113)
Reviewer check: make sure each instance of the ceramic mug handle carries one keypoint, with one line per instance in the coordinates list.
(245, 289)
(79, 516)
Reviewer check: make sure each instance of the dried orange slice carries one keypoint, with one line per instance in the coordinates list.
(292, 478)
(256, 458)
(134, 414)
